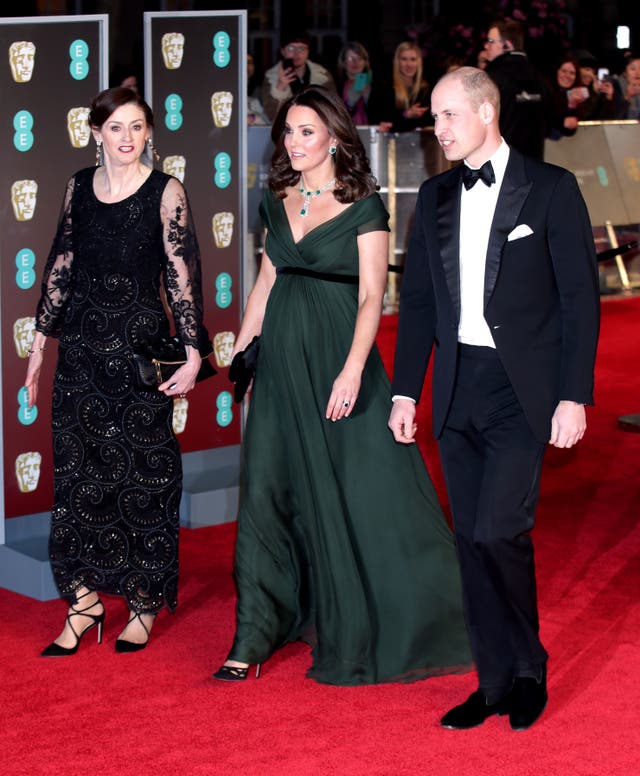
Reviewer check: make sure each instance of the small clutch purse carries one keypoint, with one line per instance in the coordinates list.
(157, 361)
(243, 369)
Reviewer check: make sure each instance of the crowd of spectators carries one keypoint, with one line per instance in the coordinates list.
(535, 106)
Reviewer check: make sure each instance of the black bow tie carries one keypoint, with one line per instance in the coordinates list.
(485, 174)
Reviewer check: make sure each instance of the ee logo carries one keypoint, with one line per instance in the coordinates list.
(222, 163)
(224, 415)
(221, 56)
(602, 175)
(79, 67)
(223, 290)
(26, 415)
(23, 124)
(173, 116)
(25, 262)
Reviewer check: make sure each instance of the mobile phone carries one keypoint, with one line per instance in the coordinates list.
(287, 64)
(603, 72)
(361, 81)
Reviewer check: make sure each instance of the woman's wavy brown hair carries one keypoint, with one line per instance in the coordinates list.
(351, 166)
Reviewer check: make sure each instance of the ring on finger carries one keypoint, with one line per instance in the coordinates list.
(346, 404)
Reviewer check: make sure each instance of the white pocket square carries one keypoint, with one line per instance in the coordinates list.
(522, 230)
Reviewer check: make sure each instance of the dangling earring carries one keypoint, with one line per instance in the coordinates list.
(332, 150)
(98, 152)
(152, 150)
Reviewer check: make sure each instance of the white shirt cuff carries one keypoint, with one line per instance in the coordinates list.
(397, 396)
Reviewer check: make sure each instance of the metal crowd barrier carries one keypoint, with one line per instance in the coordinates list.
(604, 156)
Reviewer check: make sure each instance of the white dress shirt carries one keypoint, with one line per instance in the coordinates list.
(477, 208)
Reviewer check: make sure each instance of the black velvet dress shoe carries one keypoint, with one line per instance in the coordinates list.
(527, 701)
(473, 712)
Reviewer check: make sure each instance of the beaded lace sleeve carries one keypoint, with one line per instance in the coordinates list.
(182, 274)
(57, 277)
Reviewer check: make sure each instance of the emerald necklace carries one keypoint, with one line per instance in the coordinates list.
(309, 195)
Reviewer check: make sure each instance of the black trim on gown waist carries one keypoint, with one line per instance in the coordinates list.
(309, 273)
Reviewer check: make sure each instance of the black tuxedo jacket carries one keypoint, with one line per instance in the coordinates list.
(541, 297)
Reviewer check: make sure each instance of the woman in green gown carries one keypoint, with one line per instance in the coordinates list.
(341, 541)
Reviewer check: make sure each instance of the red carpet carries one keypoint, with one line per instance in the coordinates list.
(157, 712)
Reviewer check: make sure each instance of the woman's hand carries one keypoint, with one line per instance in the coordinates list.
(344, 394)
(285, 77)
(606, 88)
(33, 376)
(416, 111)
(184, 379)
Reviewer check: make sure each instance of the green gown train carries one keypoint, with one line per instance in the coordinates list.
(341, 540)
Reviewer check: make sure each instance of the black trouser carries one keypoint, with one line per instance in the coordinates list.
(492, 463)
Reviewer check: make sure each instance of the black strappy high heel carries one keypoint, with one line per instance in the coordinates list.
(55, 650)
(122, 645)
(235, 673)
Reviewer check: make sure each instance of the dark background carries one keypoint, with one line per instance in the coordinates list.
(442, 27)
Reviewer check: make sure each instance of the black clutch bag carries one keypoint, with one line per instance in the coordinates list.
(158, 360)
(243, 369)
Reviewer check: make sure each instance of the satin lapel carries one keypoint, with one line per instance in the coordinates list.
(448, 209)
(515, 189)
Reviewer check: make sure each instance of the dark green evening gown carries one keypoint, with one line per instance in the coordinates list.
(341, 541)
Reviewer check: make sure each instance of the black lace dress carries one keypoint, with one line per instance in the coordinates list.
(117, 466)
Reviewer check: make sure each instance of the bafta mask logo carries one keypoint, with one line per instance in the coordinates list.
(23, 331)
(23, 199)
(22, 57)
(28, 471)
(78, 127)
(221, 108)
(252, 174)
(172, 49)
(175, 165)
(180, 412)
(223, 343)
(222, 227)
(632, 166)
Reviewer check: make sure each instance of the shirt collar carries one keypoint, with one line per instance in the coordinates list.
(498, 161)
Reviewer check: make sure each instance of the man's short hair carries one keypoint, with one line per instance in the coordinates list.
(512, 31)
(479, 87)
(295, 36)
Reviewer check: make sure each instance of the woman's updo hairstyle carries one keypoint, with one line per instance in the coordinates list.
(108, 101)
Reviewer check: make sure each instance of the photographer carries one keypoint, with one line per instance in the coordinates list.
(600, 104)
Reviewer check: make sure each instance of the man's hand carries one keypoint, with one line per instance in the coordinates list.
(568, 424)
(402, 421)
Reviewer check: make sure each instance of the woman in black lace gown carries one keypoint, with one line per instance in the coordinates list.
(124, 229)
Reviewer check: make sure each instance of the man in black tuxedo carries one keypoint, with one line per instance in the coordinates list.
(501, 276)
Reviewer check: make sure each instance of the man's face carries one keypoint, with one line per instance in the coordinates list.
(459, 128)
(494, 45)
(297, 51)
